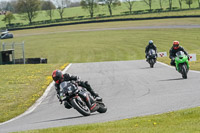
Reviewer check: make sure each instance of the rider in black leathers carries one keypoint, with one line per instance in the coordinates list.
(58, 77)
(150, 46)
(174, 49)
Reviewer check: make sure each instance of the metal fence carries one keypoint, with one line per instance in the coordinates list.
(18, 54)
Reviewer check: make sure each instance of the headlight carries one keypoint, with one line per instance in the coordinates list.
(62, 96)
(69, 92)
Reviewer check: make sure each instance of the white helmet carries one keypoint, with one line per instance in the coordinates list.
(150, 42)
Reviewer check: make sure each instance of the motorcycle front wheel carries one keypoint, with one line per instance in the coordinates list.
(184, 71)
(151, 62)
(80, 106)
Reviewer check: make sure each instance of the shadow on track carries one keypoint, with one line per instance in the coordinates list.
(61, 119)
(171, 79)
(145, 68)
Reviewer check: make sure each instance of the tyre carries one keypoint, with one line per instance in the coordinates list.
(151, 62)
(184, 71)
(102, 108)
(11, 35)
(80, 106)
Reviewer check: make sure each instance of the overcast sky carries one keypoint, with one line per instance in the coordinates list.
(51, 0)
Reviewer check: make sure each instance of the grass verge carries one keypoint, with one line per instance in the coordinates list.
(184, 121)
(68, 28)
(21, 86)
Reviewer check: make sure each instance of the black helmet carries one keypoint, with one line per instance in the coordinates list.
(151, 42)
(57, 76)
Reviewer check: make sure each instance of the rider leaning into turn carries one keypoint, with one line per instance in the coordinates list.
(150, 46)
(174, 49)
(58, 77)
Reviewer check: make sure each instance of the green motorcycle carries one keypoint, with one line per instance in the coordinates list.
(182, 63)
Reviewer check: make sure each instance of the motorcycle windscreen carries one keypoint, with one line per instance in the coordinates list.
(152, 52)
(179, 53)
(67, 88)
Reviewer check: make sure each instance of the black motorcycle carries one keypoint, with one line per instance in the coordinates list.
(151, 57)
(80, 99)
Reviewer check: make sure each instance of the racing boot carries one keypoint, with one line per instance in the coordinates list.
(93, 93)
(67, 105)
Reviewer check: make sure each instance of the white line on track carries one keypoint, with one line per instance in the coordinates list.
(38, 102)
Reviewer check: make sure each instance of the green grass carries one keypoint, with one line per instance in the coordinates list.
(148, 15)
(158, 22)
(115, 45)
(21, 86)
(184, 121)
(78, 11)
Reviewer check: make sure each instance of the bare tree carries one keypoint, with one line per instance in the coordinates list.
(29, 8)
(3, 5)
(130, 4)
(160, 3)
(49, 7)
(89, 5)
(14, 5)
(148, 2)
(180, 3)
(111, 4)
(170, 4)
(189, 2)
(9, 7)
(62, 4)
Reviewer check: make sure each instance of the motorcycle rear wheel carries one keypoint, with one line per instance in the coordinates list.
(102, 108)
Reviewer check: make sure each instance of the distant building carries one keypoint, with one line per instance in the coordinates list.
(101, 3)
(3, 12)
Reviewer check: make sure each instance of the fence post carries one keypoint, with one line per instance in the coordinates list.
(13, 47)
(23, 52)
(3, 46)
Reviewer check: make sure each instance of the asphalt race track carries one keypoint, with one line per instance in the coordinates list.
(129, 89)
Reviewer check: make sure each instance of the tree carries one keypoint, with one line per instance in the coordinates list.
(149, 3)
(29, 8)
(180, 3)
(62, 4)
(160, 3)
(130, 4)
(189, 2)
(9, 7)
(170, 4)
(49, 7)
(14, 5)
(199, 3)
(8, 17)
(89, 5)
(111, 4)
(3, 5)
